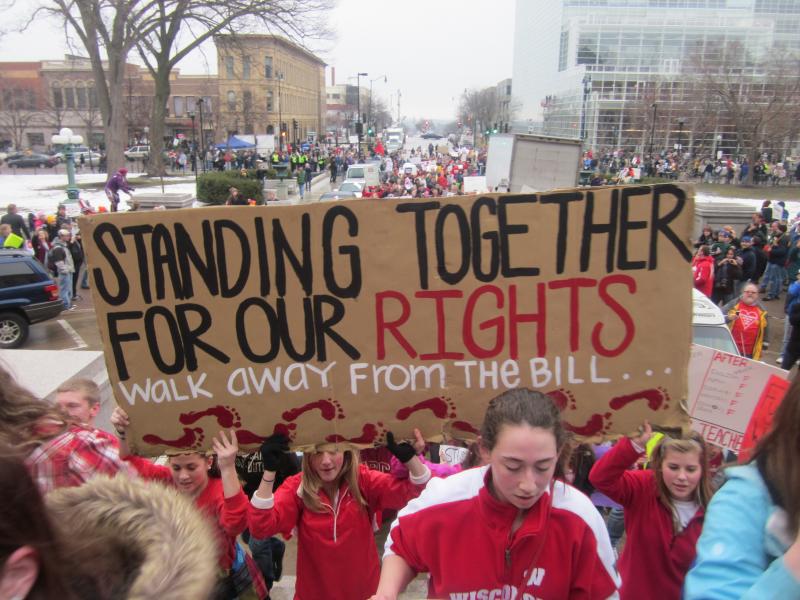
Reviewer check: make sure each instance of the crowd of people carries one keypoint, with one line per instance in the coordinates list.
(521, 518)
(732, 269)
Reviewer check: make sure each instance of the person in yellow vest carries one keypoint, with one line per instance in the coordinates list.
(293, 160)
(275, 158)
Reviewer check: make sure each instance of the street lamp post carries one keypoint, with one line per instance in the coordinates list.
(371, 81)
(194, 147)
(653, 128)
(279, 77)
(359, 125)
(68, 139)
(587, 88)
(202, 136)
(680, 138)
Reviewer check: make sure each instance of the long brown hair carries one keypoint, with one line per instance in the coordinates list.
(778, 452)
(694, 442)
(25, 523)
(310, 483)
(25, 420)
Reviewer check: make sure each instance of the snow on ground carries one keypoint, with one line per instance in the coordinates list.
(30, 193)
(793, 206)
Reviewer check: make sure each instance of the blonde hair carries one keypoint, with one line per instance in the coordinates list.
(702, 493)
(87, 388)
(310, 483)
(25, 420)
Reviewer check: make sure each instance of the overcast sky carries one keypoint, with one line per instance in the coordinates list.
(431, 50)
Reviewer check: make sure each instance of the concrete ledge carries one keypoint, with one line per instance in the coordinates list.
(717, 214)
(150, 201)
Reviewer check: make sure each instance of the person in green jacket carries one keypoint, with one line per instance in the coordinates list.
(301, 182)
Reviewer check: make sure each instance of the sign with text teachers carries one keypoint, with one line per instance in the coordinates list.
(338, 322)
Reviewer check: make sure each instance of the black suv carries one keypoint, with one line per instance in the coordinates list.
(27, 295)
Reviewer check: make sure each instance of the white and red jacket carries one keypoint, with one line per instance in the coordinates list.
(336, 554)
(460, 534)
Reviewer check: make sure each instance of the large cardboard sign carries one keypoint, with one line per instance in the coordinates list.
(724, 390)
(337, 322)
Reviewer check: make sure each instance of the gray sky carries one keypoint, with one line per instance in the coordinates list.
(428, 49)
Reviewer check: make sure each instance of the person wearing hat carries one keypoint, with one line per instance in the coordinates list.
(61, 259)
(118, 181)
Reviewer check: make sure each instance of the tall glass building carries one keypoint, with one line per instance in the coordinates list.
(630, 73)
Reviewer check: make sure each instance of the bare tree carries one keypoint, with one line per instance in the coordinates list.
(756, 95)
(478, 106)
(108, 30)
(381, 116)
(185, 24)
(18, 111)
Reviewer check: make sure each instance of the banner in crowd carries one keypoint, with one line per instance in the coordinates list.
(334, 322)
(724, 391)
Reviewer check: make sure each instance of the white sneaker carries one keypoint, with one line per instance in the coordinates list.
(779, 360)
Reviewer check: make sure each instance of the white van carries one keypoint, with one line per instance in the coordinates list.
(366, 175)
(708, 325)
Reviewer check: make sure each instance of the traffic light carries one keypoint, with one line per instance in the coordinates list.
(494, 129)
(359, 127)
(294, 123)
(369, 131)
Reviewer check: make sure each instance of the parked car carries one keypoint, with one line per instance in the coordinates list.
(708, 325)
(88, 154)
(27, 295)
(338, 195)
(33, 160)
(137, 152)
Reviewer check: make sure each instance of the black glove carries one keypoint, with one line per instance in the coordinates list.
(272, 449)
(403, 452)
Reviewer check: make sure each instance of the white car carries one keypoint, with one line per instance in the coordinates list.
(137, 152)
(708, 325)
(78, 151)
(351, 186)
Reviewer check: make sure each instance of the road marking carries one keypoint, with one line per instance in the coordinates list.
(80, 344)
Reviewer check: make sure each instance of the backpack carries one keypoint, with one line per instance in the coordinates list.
(50, 263)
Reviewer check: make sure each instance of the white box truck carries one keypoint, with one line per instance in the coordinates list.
(532, 163)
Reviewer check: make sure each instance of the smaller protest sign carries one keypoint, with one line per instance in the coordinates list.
(724, 390)
(761, 420)
(452, 455)
(475, 184)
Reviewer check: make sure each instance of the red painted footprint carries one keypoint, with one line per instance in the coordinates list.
(243, 436)
(225, 415)
(329, 409)
(285, 429)
(441, 407)
(563, 399)
(464, 426)
(656, 398)
(192, 439)
(369, 434)
(596, 425)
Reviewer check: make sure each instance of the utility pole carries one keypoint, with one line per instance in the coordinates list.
(398, 107)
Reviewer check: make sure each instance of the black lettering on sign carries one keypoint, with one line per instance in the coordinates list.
(191, 335)
(151, 329)
(283, 250)
(273, 336)
(116, 338)
(110, 254)
(661, 224)
(507, 230)
(308, 330)
(164, 255)
(477, 241)
(323, 327)
(188, 253)
(263, 264)
(138, 232)
(352, 289)
(590, 228)
(419, 209)
(562, 199)
(229, 291)
(626, 225)
(463, 248)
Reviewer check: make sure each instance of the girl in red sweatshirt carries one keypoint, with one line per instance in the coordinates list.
(506, 530)
(221, 499)
(664, 508)
(332, 504)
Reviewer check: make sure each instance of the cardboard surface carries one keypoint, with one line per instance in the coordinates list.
(724, 390)
(341, 321)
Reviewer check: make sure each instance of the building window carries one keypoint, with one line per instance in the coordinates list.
(92, 93)
(247, 101)
(270, 106)
(178, 103)
(35, 139)
(270, 130)
(268, 67)
(80, 93)
(58, 97)
(191, 104)
(207, 107)
(246, 67)
(229, 67)
(231, 101)
(69, 97)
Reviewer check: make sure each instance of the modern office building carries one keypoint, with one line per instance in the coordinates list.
(630, 73)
